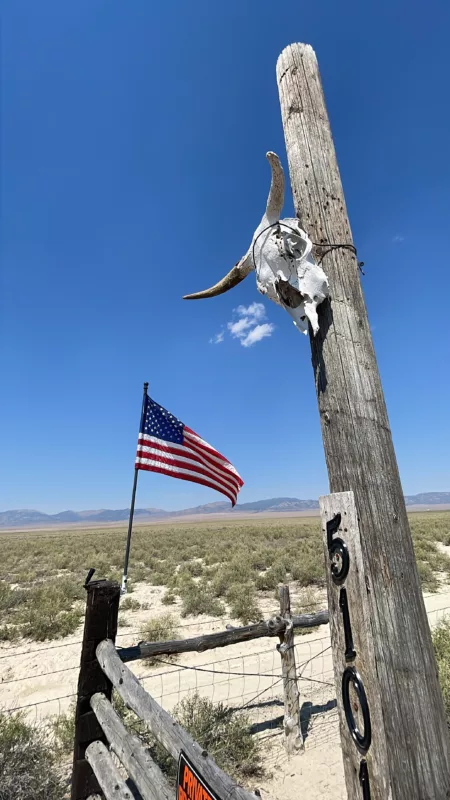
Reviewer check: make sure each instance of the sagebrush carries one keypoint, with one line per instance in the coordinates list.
(28, 765)
(219, 729)
(198, 563)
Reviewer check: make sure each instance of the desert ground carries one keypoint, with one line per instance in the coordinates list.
(188, 578)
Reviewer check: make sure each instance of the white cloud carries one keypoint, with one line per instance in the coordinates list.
(238, 328)
(247, 325)
(218, 338)
(255, 310)
(257, 333)
(398, 238)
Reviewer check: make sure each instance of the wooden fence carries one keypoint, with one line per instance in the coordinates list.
(99, 730)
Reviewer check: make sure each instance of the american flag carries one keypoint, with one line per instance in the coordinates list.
(168, 446)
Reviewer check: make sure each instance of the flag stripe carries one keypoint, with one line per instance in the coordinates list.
(167, 446)
(193, 443)
(188, 475)
(196, 440)
(210, 461)
(186, 461)
(149, 454)
(158, 445)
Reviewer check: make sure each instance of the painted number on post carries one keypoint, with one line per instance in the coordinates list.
(352, 684)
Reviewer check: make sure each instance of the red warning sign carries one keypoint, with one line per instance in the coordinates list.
(190, 785)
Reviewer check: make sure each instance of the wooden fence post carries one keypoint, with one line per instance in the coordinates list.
(293, 737)
(359, 451)
(102, 607)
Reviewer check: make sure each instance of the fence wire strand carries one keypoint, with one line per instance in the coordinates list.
(249, 683)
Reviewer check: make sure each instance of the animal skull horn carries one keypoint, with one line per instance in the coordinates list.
(243, 267)
(281, 255)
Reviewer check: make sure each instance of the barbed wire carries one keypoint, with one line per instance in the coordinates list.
(128, 632)
(231, 675)
(38, 703)
(39, 675)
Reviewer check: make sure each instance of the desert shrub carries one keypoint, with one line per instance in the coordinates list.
(164, 574)
(10, 598)
(224, 733)
(130, 604)
(427, 577)
(271, 578)
(243, 604)
(140, 573)
(160, 629)
(64, 731)
(310, 601)
(309, 569)
(27, 764)
(217, 728)
(261, 559)
(194, 568)
(441, 645)
(231, 551)
(48, 613)
(238, 570)
(9, 633)
(199, 598)
(138, 727)
(43, 624)
(168, 598)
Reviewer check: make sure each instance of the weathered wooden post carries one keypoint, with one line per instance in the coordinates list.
(293, 737)
(360, 456)
(102, 607)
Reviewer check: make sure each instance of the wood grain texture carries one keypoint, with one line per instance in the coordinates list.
(359, 450)
(364, 662)
(102, 608)
(163, 726)
(293, 738)
(147, 776)
(198, 644)
(110, 780)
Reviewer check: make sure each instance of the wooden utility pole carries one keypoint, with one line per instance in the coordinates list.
(360, 454)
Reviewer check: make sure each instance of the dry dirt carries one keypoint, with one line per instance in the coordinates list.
(42, 678)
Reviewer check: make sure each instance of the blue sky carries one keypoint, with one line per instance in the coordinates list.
(134, 171)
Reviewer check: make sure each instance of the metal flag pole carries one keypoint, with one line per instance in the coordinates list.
(123, 588)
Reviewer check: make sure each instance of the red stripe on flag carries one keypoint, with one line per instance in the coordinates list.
(188, 452)
(194, 467)
(190, 478)
(210, 461)
(204, 445)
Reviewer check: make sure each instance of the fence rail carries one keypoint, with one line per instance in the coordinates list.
(97, 726)
(249, 680)
(135, 758)
(171, 735)
(198, 644)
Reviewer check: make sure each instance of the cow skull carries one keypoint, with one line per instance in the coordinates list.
(281, 255)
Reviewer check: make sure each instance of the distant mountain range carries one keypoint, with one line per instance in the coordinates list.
(25, 518)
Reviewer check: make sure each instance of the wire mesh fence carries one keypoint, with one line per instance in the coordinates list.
(41, 681)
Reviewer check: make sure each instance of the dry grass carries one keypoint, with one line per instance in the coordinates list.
(221, 730)
(214, 567)
(28, 766)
